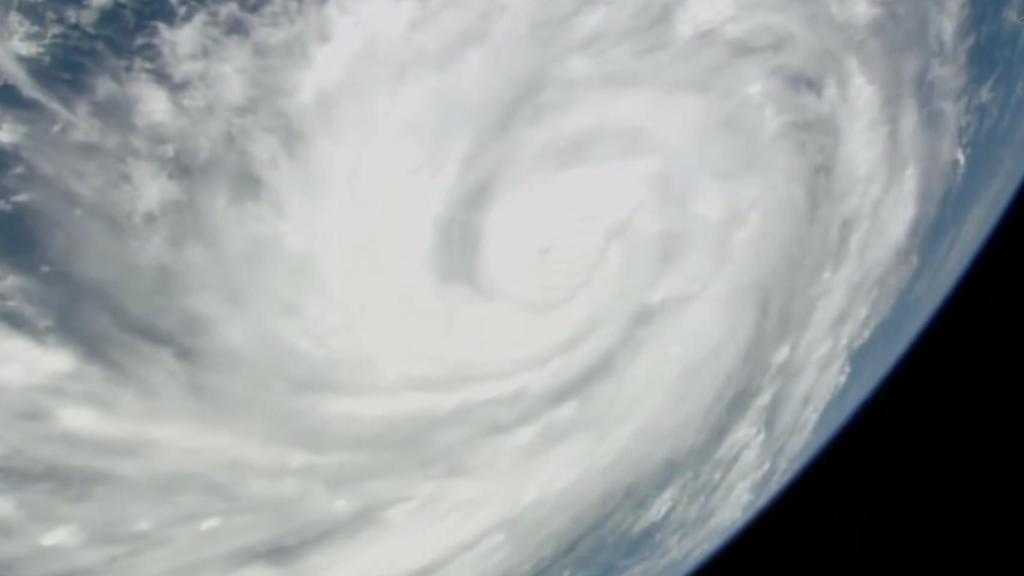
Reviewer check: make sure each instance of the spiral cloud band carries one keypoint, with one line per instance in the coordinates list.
(389, 287)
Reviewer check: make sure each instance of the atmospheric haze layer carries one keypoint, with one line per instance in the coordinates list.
(390, 287)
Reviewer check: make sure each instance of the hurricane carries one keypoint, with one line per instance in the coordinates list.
(454, 287)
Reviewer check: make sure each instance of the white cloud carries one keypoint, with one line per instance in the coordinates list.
(476, 272)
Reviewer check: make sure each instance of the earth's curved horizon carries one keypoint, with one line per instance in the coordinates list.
(410, 287)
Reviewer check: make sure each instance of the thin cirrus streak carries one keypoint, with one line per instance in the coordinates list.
(447, 287)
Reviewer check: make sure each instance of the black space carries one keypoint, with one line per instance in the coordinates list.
(925, 478)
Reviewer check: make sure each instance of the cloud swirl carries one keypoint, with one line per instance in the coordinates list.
(440, 286)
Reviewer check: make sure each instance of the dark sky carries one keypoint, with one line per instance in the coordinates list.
(922, 480)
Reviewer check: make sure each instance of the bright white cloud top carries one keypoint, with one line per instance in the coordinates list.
(390, 287)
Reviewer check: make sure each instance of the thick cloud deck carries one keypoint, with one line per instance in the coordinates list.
(443, 286)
